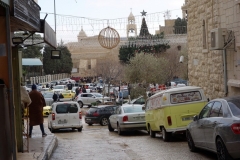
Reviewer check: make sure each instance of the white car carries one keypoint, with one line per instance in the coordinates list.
(65, 115)
(59, 88)
(127, 117)
(89, 98)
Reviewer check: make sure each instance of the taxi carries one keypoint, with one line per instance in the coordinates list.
(68, 94)
(46, 111)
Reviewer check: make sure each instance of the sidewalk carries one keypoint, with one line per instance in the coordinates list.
(40, 148)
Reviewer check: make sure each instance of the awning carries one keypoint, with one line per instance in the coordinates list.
(31, 62)
(234, 82)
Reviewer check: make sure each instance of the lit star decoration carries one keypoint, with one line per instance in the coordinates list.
(143, 13)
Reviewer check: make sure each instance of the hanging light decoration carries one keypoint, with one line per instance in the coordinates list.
(108, 38)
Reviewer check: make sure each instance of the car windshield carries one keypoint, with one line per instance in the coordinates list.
(48, 95)
(235, 107)
(97, 95)
(132, 109)
(58, 87)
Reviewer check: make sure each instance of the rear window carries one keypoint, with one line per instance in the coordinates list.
(66, 108)
(185, 97)
(235, 107)
(132, 109)
(92, 110)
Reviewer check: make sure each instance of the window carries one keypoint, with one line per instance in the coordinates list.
(73, 108)
(62, 108)
(84, 95)
(185, 97)
(215, 109)
(89, 95)
(205, 111)
(234, 105)
(132, 109)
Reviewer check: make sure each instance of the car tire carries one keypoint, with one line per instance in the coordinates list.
(166, 136)
(190, 141)
(119, 130)
(80, 104)
(151, 133)
(104, 121)
(110, 127)
(222, 152)
(79, 129)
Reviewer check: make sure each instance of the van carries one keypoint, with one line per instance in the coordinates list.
(65, 115)
(170, 111)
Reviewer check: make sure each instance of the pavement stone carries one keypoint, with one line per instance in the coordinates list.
(40, 148)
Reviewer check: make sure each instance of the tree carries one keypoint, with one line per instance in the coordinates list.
(109, 70)
(180, 26)
(62, 65)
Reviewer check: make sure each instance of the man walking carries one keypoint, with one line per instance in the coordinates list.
(36, 110)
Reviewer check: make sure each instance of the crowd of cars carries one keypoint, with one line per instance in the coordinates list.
(211, 125)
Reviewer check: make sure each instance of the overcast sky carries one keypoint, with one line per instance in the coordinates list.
(94, 15)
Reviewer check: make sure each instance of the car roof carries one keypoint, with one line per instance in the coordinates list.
(66, 102)
(228, 98)
(102, 106)
(132, 105)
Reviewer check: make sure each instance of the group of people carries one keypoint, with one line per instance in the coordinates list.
(35, 101)
(57, 97)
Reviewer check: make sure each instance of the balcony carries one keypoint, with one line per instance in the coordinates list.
(25, 15)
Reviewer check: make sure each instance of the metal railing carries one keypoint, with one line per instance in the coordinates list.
(48, 78)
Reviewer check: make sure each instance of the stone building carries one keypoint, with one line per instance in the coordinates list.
(214, 55)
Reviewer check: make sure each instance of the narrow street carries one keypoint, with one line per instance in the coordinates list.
(97, 143)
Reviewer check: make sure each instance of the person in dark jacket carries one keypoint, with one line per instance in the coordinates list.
(84, 89)
(36, 110)
(60, 96)
(55, 97)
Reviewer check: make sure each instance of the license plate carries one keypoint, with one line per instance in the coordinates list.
(187, 118)
(62, 121)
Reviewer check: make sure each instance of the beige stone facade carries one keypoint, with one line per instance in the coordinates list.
(206, 66)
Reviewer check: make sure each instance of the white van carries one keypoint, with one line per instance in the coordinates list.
(171, 110)
(65, 115)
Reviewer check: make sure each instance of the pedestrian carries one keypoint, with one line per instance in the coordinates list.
(55, 97)
(76, 91)
(84, 89)
(69, 85)
(36, 110)
(60, 96)
(47, 85)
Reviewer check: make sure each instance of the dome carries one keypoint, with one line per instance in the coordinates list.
(82, 34)
(131, 17)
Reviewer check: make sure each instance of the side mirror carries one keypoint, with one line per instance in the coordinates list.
(195, 118)
(143, 108)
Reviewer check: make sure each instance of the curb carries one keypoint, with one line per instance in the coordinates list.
(48, 152)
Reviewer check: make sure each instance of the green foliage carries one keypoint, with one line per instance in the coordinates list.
(145, 69)
(138, 91)
(180, 26)
(63, 65)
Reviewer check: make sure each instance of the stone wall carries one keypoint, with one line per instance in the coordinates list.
(205, 66)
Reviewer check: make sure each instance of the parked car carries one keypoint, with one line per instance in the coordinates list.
(89, 98)
(59, 88)
(65, 115)
(127, 117)
(139, 100)
(68, 94)
(99, 114)
(217, 128)
(48, 97)
(170, 111)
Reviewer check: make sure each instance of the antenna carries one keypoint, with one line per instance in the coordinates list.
(167, 14)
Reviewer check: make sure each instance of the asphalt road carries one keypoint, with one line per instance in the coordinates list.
(97, 143)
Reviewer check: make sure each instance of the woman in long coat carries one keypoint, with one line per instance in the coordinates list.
(36, 110)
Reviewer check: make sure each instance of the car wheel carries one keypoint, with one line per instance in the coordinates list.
(110, 127)
(104, 121)
(222, 152)
(79, 129)
(119, 130)
(152, 133)
(80, 104)
(165, 135)
(191, 144)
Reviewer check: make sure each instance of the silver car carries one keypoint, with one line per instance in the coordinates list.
(217, 128)
(127, 117)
